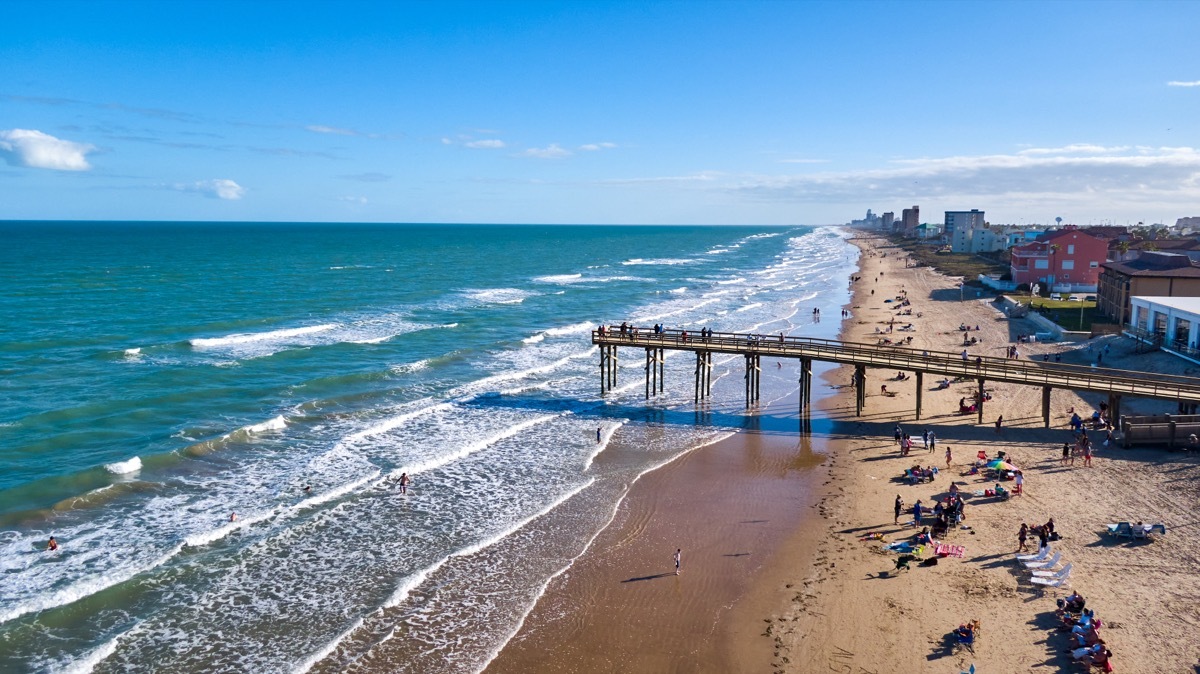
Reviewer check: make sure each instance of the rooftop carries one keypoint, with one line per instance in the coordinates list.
(1156, 264)
(1188, 304)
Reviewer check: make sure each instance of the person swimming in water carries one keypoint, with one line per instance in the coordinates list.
(232, 517)
(52, 545)
(308, 489)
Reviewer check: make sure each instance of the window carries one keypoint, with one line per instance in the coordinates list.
(1068, 264)
(1041, 264)
(1093, 264)
(1070, 249)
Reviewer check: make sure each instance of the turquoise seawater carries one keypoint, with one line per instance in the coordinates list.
(157, 377)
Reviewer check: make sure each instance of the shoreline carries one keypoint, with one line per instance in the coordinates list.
(818, 596)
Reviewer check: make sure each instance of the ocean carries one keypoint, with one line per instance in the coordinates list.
(156, 378)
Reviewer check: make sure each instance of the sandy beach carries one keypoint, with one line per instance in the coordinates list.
(777, 575)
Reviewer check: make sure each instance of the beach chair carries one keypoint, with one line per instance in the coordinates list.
(1139, 533)
(1157, 528)
(1061, 573)
(1043, 553)
(1120, 530)
(1043, 583)
(1044, 563)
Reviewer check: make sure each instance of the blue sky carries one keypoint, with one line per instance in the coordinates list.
(612, 112)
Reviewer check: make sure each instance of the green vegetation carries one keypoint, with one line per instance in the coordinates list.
(967, 265)
(1069, 315)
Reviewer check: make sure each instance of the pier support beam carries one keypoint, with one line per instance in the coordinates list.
(699, 365)
(662, 369)
(860, 389)
(1046, 406)
(608, 368)
(979, 405)
(920, 390)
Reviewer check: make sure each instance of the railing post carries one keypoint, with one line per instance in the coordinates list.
(920, 390)
(980, 407)
(1046, 406)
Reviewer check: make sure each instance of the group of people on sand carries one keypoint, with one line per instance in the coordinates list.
(1084, 643)
(1044, 533)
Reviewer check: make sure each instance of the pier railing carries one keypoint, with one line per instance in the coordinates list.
(902, 358)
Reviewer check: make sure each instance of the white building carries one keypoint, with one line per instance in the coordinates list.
(1173, 320)
(956, 220)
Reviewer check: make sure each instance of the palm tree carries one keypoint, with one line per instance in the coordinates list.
(1123, 248)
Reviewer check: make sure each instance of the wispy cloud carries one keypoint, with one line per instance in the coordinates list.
(319, 128)
(34, 149)
(353, 200)
(593, 147)
(552, 151)
(1177, 83)
(218, 188)
(487, 144)
(290, 152)
(803, 161)
(370, 177)
(701, 177)
(1074, 148)
(1140, 175)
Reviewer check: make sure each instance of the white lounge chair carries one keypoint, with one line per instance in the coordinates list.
(1045, 563)
(1061, 573)
(1043, 583)
(1041, 554)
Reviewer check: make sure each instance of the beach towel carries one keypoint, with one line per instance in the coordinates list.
(944, 550)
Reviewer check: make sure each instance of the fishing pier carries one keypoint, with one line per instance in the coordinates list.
(1048, 376)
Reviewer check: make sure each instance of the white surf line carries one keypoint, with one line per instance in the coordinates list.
(587, 546)
(405, 589)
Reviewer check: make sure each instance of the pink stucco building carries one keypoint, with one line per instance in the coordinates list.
(1067, 257)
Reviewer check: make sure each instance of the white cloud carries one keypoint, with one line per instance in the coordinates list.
(489, 144)
(593, 147)
(34, 149)
(1176, 83)
(447, 141)
(1108, 178)
(1074, 148)
(552, 151)
(218, 188)
(701, 177)
(318, 128)
(353, 200)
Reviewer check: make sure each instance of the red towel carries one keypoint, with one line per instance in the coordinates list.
(944, 550)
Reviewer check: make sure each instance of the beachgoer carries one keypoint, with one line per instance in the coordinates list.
(1021, 536)
(232, 517)
(883, 389)
(404, 483)
(898, 433)
(917, 512)
(949, 456)
(678, 559)
(597, 435)
(898, 508)
(1043, 537)
(1066, 454)
(1020, 479)
(308, 489)
(53, 544)
(925, 439)
(932, 441)
(1087, 454)
(999, 424)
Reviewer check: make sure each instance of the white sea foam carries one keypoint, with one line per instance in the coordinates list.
(559, 278)
(748, 307)
(81, 588)
(534, 339)
(606, 434)
(274, 424)
(732, 280)
(678, 291)
(397, 421)
(467, 450)
(408, 368)
(205, 537)
(122, 467)
(658, 261)
(497, 295)
(272, 335)
(336, 492)
(88, 661)
(307, 663)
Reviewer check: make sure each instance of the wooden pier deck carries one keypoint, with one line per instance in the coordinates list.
(1048, 376)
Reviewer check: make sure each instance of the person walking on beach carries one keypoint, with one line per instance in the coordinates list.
(897, 509)
(404, 483)
(1022, 535)
(678, 559)
(1066, 454)
(932, 441)
(1020, 478)
(917, 512)
(597, 435)
(1000, 425)
(925, 439)
(1087, 455)
(949, 457)
(899, 434)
